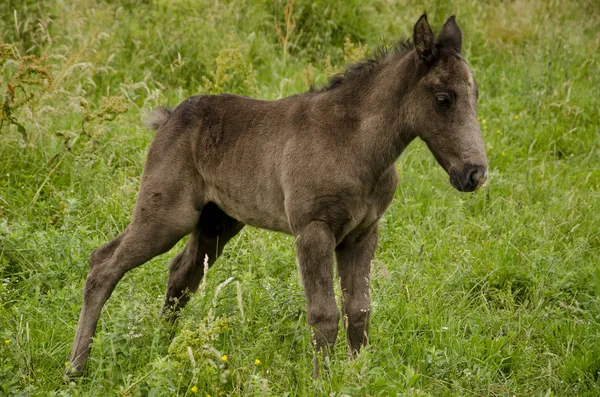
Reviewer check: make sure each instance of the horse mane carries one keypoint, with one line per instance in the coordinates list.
(367, 66)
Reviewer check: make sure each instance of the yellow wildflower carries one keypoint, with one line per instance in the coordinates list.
(195, 389)
(485, 127)
(516, 117)
(224, 357)
(478, 118)
(7, 341)
(483, 121)
(503, 153)
(497, 131)
(257, 362)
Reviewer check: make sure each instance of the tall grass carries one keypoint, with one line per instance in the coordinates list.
(489, 294)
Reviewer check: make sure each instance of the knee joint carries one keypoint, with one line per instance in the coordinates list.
(357, 314)
(324, 318)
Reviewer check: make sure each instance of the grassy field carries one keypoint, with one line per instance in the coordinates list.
(495, 293)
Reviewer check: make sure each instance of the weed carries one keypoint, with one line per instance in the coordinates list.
(23, 86)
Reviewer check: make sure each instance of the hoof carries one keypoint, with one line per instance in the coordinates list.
(72, 372)
(170, 314)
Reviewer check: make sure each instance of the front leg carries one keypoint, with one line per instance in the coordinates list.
(315, 245)
(354, 266)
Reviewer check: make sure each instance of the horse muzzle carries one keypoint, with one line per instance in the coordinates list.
(470, 178)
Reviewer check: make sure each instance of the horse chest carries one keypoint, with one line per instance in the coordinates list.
(373, 205)
(368, 212)
(348, 210)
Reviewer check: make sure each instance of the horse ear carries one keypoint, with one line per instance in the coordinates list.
(451, 35)
(424, 39)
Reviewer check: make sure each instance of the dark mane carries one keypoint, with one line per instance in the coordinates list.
(368, 66)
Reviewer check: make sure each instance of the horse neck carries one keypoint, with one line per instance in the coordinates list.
(385, 127)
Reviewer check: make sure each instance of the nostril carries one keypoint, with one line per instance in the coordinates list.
(474, 176)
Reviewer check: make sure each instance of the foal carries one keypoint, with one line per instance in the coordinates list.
(319, 166)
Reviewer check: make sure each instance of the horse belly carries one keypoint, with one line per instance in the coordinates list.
(253, 204)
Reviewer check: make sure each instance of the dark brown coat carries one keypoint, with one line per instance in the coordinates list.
(319, 166)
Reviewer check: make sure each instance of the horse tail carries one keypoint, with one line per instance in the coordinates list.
(157, 117)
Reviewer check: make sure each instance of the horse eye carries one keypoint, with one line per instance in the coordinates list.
(443, 101)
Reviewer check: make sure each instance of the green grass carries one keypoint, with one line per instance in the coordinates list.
(495, 293)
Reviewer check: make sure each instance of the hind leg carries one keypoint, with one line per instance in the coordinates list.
(164, 213)
(213, 230)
